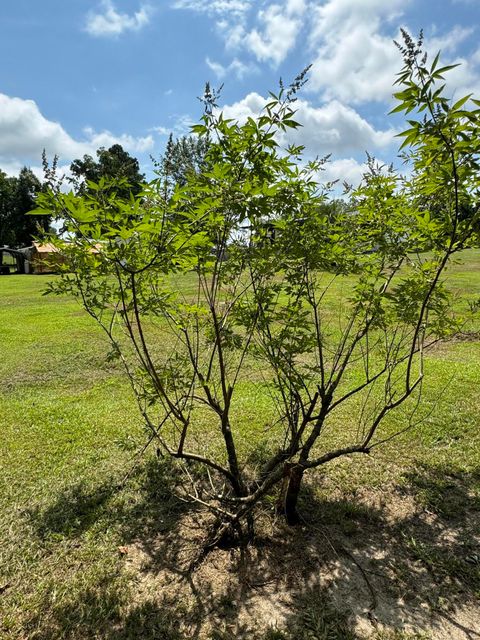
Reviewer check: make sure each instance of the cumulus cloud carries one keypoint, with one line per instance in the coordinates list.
(230, 20)
(448, 42)
(236, 68)
(108, 22)
(350, 42)
(355, 61)
(249, 106)
(338, 128)
(25, 132)
(279, 25)
(273, 33)
(346, 170)
(181, 126)
(162, 131)
(331, 128)
(13, 169)
(465, 78)
(235, 7)
(232, 31)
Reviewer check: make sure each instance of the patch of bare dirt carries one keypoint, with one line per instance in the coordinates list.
(378, 566)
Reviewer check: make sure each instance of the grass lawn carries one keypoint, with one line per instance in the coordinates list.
(390, 548)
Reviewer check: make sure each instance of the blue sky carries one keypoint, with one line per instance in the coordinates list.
(79, 74)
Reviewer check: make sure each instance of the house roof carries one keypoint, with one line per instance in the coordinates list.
(47, 247)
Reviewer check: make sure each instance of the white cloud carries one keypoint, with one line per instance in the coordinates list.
(96, 139)
(250, 106)
(110, 23)
(233, 7)
(236, 68)
(465, 78)
(162, 131)
(344, 170)
(273, 35)
(280, 25)
(475, 58)
(25, 132)
(337, 128)
(331, 128)
(349, 41)
(354, 61)
(332, 15)
(13, 169)
(232, 32)
(182, 124)
(448, 42)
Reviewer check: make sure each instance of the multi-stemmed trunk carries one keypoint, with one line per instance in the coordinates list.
(289, 492)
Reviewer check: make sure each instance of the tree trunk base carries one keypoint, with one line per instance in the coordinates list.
(289, 492)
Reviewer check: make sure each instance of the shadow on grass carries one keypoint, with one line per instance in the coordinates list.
(75, 510)
(372, 562)
(453, 495)
(148, 621)
(146, 504)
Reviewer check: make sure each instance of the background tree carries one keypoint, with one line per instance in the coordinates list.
(112, 164)
(17, 198)
(183, 156)
(265, 311)
(7, 232)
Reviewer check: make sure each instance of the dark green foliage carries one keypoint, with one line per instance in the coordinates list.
(112, 164)
(7, 189)
(18, 196)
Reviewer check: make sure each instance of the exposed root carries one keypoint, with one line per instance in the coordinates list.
(223, 535)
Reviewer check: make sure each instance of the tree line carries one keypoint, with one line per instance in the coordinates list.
(18, 194)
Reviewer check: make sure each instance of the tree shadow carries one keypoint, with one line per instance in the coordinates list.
(146, 505)
(449, 493)
(147, 621)
(143, 508)
(74, 511)
(359, 564)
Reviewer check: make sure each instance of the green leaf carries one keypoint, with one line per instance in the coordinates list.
(435, 62)
(447, 68)
(397, 109)
(40, 211)
(461, 102)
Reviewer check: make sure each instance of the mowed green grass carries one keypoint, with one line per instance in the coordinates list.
(66, 421)
(70, 432)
